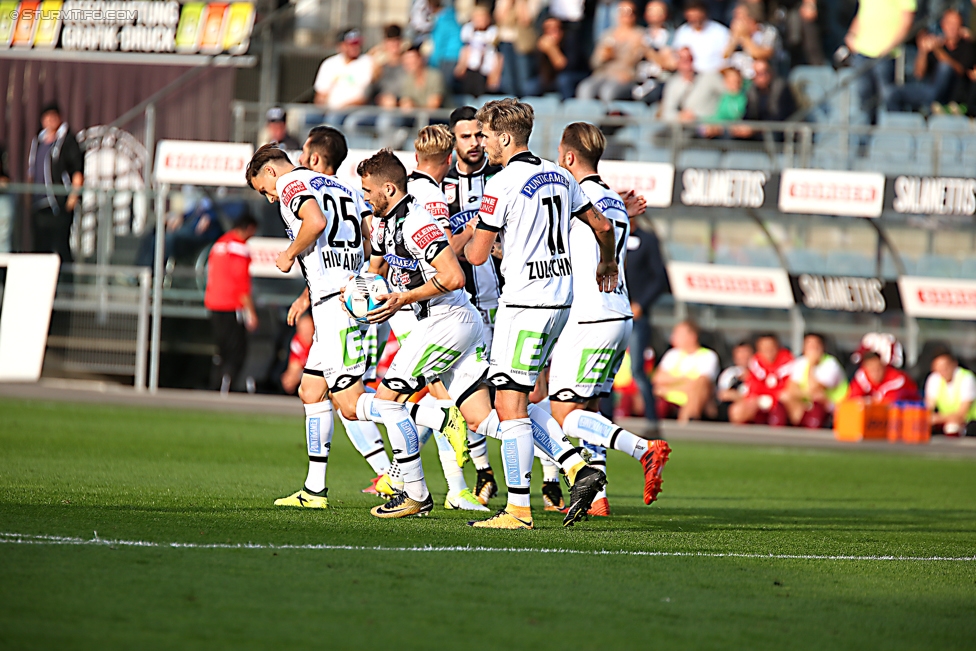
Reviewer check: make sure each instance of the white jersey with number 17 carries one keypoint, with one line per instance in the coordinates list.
(337, 254)
(530, 203)
(589, 303)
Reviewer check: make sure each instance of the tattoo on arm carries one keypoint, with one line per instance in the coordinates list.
(439, 286)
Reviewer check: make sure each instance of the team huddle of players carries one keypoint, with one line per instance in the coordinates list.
(498, 263)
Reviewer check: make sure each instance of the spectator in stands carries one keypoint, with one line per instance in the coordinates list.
(556, 71)
(647, 279)
(751, 39)
(298, 351)
(277, 130)
(228, 298)
(731, 104)
(386, 56)
(800, 29)
(8, 204)
(570, 13)
(705, 38)
(731, 387)
(418, 86)
(950, 393)
(479, 66)
(445, 41)
(881, 382)
(816, 384)
(517, 37)
(186, 234)
(651, 74)
(615, 59)
(56, 162)
(940, 69)
(684, 380)
(344, 80)
(769, 370)
(422, 17)
(877, 31)
(769, 98)
(687, 95)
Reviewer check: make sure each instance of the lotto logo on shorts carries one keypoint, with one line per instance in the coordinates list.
(291, 191)
(428, 235)
(488, 204)
(438, 209)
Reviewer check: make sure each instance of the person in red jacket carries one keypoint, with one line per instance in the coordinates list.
(766, 377)
(300, 346)
(881, 382)
(228, 298)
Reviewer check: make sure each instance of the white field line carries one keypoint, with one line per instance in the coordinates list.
(28, 539)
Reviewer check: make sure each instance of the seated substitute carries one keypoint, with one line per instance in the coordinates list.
(950, 392)
(880, 382)
(685, 378)
(817, 383)
(731, 387)
(769, 369)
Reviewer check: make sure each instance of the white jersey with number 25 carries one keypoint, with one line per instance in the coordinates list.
(337, 254)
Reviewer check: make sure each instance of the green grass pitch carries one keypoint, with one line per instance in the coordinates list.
(173, 476)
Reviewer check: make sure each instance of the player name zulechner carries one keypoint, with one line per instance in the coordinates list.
(543, 269)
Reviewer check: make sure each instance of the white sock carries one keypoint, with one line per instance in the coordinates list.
(368, 441)
(478, 447)
(594, 428)
(517, 455)
(424, 415)
(452, 472)
(395, 475)
(404, 441)
(490, 426)
(318, 439)
(551, 440)
(550, 471)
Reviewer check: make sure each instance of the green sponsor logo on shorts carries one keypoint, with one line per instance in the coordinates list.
(352, 342)
(479, 353)
(595, 365)
(436, 359)
(370, 346)
(529, 351)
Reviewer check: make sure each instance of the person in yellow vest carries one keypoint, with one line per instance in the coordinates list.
(817, 383)
(685, 379)
(950, 392)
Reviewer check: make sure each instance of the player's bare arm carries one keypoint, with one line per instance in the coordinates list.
(366, 228)
(298, 307)
(636, 203)
(479, 248)
(313, 224)
(449, 277)
(606, 269)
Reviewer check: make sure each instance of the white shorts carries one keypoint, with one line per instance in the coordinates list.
(337, 352)
(403, 323)
(522, 343)
(374, 341)
(488, 316)
(449, 347)
(586, 359)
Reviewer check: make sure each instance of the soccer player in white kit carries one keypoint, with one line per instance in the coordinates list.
(591, 347)
(323, 151)
(325, 221)
(433, 147)
(530, 204)
(463, 187)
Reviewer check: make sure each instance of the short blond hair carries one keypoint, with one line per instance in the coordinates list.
(586, 141)
(434, 142)
(508, 116)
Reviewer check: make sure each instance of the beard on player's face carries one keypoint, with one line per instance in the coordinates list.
(474, 155)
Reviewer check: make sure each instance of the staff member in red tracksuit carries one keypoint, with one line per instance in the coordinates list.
(766, 377)
(228, 298)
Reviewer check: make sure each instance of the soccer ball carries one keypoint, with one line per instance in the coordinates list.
(360, 292)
